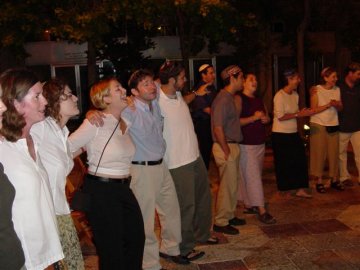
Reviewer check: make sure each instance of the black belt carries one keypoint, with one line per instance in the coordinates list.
(124, 181)
(147, 163)
(233, 142)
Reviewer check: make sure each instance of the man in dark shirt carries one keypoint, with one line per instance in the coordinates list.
(201, 110)
(349, 120)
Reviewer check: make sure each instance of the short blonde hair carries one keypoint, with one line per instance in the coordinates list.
(100, 90)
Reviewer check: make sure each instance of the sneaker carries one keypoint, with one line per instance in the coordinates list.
(267, 218)
(228, 229)
(178, 259)
(237, 221)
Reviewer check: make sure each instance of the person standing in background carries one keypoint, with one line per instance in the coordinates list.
(290, 160)
(201, 112)
(324, 129)
(349, 120)
(253, 119)
(226, 132)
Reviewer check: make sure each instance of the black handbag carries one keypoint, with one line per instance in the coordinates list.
(80, 201)
(332, 129)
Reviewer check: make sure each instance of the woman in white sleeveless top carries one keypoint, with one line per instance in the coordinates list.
(324, 134)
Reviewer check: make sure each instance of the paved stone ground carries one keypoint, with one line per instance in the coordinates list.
(318, 233)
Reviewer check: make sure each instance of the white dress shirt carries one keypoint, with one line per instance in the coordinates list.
(118, 154)
(181, 142)
(33, 211)
(56, 158)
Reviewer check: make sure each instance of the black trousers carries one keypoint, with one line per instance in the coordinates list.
(203, 133)
(117, 225)
(290, 161)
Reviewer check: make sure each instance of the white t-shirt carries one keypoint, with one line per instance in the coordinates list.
(181, 141)
(56, 158)
(329, 117)
(33, 212)
(285, 103)
(118, 154)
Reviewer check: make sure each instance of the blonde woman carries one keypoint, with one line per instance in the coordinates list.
(114, 214)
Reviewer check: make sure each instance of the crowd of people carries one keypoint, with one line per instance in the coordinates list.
(149, 155)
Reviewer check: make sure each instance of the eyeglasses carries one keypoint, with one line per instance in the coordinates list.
(65, 96)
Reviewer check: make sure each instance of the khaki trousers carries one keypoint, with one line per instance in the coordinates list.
(322, 145)
(229, 178)
(344, 139)
(154, 189)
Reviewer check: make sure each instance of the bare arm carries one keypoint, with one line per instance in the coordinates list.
(199, 92)
(314, 103)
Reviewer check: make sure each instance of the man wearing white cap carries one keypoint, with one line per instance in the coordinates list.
(201, 111)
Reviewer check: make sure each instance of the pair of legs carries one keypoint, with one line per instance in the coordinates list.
(290, 162)
(154, 189)
(192, 188)
(229, 175)
(323, 144)
(70, 242)
(203, 134)
(250, 185)
(117, 225)
(344, 139)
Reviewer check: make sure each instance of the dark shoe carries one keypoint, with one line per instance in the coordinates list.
(250, 210)
(228, 229)
(338, 186)
(178, 259)
(213, 240)
(194, 255)
(348, 183)
(320, 188)
(267, 218)
(237, 221)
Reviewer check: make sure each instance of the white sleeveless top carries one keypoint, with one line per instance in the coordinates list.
(329, 117)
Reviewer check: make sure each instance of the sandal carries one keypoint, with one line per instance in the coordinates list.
(194, 255)
(212, 240)
(267, 218)
(250, 210)
(320, 188)
(338, 186)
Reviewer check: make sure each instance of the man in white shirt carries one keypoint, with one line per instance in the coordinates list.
(184, 161)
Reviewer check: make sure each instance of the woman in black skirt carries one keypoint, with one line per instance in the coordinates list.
(289, 151)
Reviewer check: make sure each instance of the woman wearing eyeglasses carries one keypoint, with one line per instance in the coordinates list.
(51, 135)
